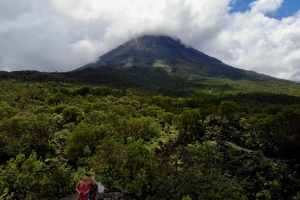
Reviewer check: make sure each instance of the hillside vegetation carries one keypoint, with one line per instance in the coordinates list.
(220, 141)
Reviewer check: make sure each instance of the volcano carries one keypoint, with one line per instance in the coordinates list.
(171, 55)
(160, 65)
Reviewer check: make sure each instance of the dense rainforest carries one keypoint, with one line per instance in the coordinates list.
(217, 144)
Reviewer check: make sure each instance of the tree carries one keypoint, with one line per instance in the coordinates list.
(81, 142)
(29, 178)
(40, 131)
(144, 128)
(72, 114)
(124, 167)
(14, 133)
(189, 124)
(227, 109)
(7, 111)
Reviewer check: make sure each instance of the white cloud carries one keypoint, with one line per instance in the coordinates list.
(55, 35)
(256, 42)
(265, 5)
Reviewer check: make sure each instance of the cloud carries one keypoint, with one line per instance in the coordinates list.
(55, 35)
(263, 44)
(265, 6)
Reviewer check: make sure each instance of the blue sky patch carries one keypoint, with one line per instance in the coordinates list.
(288, 8)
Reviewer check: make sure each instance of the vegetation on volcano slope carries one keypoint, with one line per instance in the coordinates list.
(148, 146)
(157, 80)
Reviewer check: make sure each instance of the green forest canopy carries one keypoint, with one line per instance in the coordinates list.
(148, 145)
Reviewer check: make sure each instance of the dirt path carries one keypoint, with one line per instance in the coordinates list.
(239, 147)
(250, 151)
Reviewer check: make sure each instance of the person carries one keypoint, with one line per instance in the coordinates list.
(94, 189)
(83, 187)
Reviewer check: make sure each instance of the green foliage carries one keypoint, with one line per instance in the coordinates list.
(72, 114)
(23, 134)
(186, 198)
(82, 142)
(227, 109)
(29, 178)
(189, 124)
(57, 99)
(142, 128)
(281, 130)
(13, 135)
(124, 167)
(7, 111)
(218, 144)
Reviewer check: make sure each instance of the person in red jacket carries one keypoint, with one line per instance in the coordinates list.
(83, 187)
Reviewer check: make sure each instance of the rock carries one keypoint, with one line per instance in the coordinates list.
(101, 187)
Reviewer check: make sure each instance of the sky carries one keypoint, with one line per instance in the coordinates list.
(55, 35)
